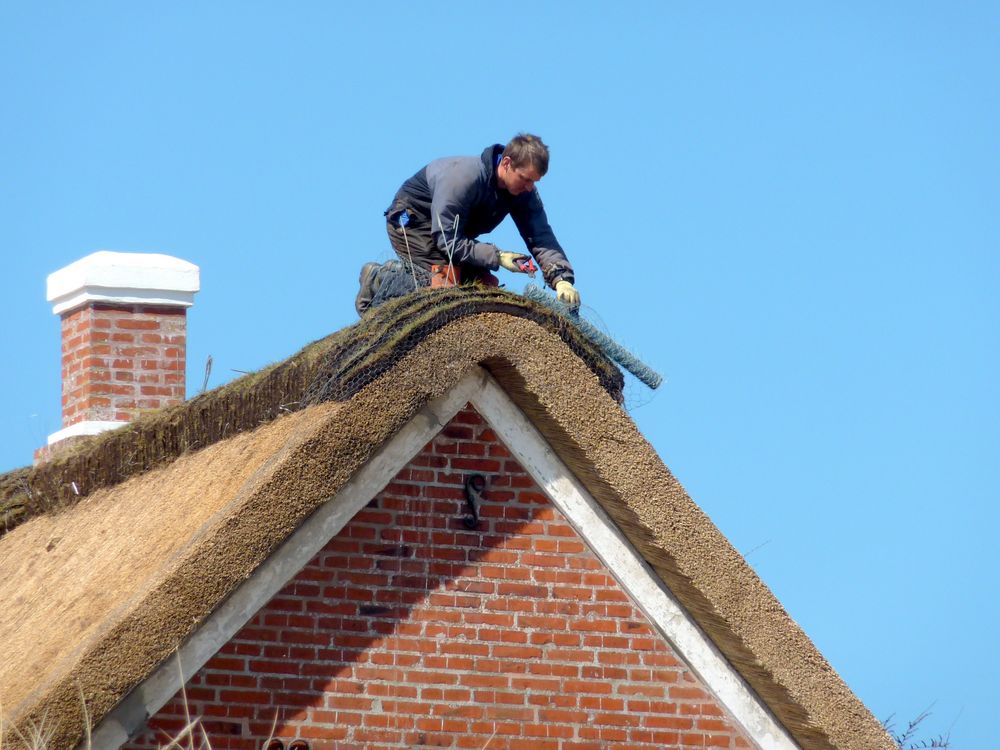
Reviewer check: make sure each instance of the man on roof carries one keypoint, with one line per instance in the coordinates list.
(438, 214)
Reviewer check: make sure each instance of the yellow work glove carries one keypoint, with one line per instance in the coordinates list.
(567, 294)
(510, 262)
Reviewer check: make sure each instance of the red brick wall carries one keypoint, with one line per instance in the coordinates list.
(120, 360)
(409, 630)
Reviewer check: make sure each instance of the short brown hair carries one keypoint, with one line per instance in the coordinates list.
(525, 149)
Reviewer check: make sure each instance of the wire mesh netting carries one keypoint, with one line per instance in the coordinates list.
(396, 279)
(635, 393)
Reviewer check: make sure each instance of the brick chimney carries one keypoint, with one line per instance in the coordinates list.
(124, 337)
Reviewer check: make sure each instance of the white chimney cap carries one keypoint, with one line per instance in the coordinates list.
(123, 278)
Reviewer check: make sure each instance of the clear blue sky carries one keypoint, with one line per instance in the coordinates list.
(791, 210)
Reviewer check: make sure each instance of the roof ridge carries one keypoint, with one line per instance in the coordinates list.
(332, 368)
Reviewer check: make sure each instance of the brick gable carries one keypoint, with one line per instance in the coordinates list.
(410, 630)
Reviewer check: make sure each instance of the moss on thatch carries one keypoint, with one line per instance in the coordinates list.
(331, 369)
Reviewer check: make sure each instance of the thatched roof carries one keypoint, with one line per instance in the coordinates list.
(99, 592)
(332, 369)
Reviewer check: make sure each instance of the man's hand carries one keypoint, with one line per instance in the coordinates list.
(517, 262)
(567, 294)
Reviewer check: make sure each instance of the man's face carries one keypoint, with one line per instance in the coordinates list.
(517, 180)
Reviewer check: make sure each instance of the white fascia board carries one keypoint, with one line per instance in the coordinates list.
(630, 569)
(84, 429)
(123, 278)
(129, 716)
(540, 461)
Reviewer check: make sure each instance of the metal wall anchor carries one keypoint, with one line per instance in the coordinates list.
(474, 486)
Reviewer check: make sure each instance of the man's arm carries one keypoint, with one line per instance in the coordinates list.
(533, 224)
(455, 189)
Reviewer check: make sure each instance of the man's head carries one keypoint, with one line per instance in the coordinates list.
(524, 162)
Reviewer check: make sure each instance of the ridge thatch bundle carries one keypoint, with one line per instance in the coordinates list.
(330, 369)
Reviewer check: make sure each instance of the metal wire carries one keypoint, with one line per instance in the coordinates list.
(613, 349)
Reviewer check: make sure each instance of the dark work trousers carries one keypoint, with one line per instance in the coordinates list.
(419, 248)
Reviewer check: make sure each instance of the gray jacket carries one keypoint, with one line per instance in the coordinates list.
(457, 197)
